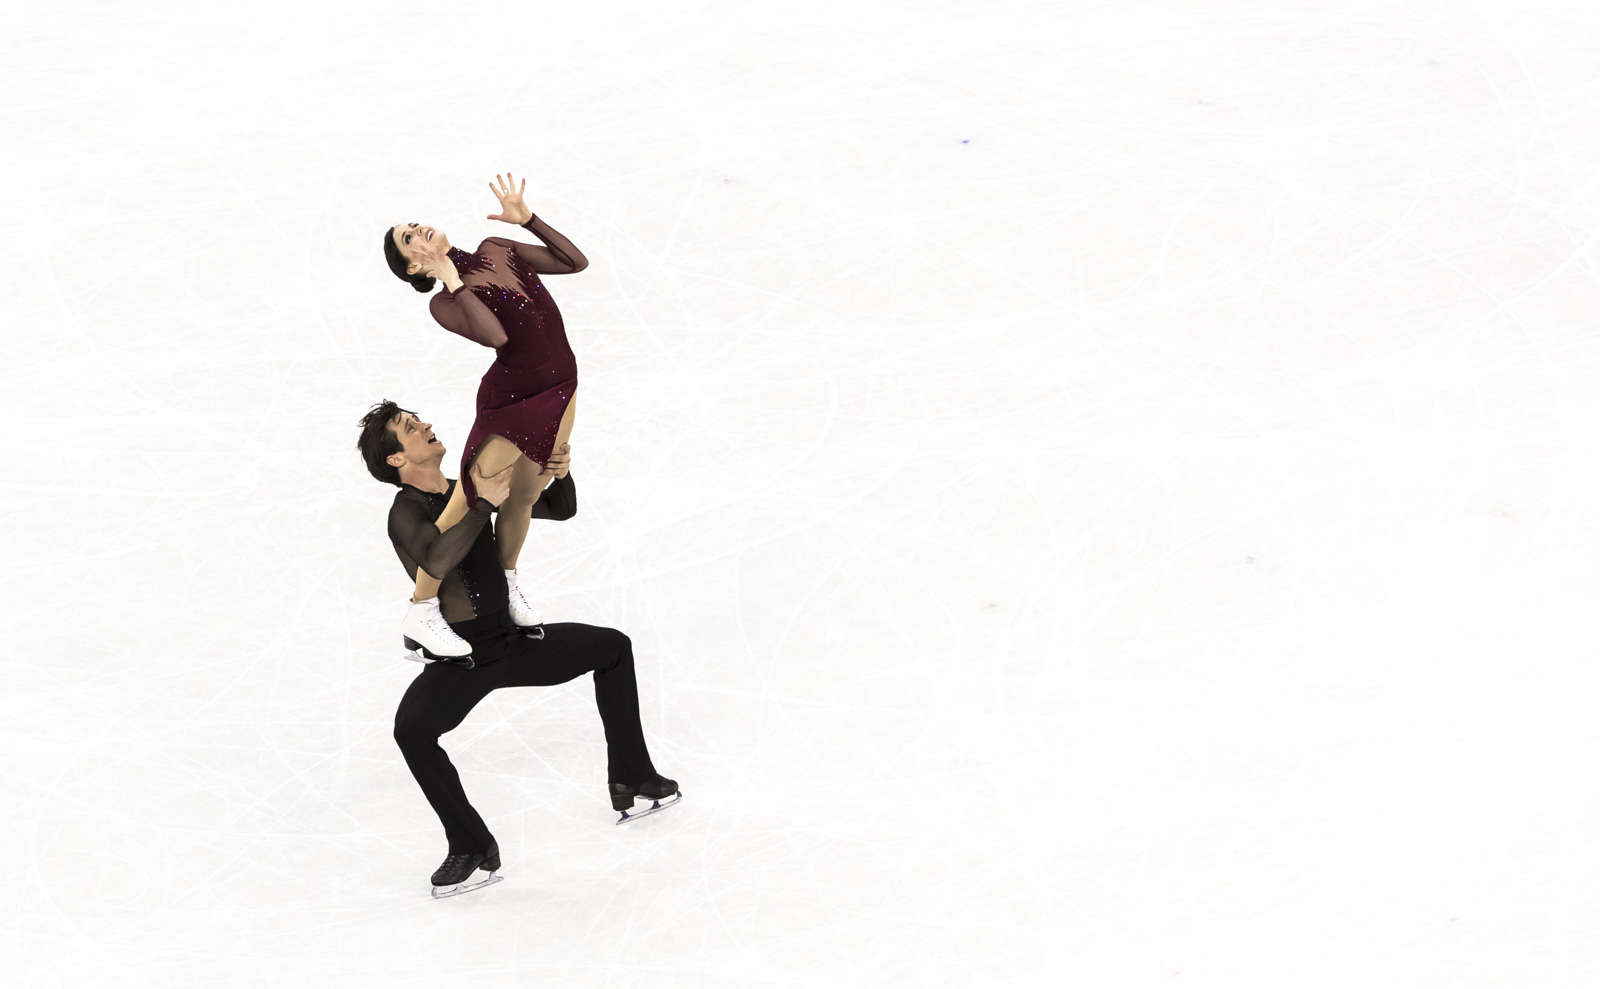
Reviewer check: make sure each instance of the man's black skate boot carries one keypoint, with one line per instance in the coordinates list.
(660, 791)
(455, 870)
(454, 876)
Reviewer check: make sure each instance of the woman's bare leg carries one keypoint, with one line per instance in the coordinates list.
(495, 455)
(528, 482)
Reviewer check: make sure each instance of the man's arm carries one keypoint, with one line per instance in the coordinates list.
(558, 501)
(436, 552)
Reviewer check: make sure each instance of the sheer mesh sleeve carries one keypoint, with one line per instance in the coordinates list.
(437, 552)
(558, 501)
(558, 257)
(463, 312)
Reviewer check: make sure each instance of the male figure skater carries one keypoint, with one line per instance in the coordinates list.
(402, 450)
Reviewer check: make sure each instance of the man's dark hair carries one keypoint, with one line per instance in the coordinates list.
(398, 265)
(378, 442)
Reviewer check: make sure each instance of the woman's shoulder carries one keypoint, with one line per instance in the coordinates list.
(496, 250)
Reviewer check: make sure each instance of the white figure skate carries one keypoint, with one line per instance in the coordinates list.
(430, 639)
(526, 617)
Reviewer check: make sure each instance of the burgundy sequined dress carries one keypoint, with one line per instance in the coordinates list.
(503, 304)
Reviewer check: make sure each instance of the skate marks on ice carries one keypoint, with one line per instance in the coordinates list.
(460, 879)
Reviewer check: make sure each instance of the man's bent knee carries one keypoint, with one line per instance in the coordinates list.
(619, 646)
(409, 732)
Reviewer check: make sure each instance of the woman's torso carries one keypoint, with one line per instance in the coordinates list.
(535, 334)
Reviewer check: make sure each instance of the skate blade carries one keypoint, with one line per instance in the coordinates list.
(493, 878)
(422, 654)
(656, 807)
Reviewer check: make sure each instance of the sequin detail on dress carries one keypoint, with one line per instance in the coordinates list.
(523, 271)
(469, 264)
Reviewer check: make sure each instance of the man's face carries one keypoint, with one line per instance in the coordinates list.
(418, 446)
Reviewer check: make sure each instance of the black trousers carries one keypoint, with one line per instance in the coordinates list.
(442, 695)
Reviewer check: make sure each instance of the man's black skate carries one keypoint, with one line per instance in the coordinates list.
(660, 791)
(454, 877)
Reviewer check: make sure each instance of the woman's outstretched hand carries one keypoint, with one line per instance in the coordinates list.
(512, 209)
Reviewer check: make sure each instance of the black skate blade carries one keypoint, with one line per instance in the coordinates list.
(422, 654)
(532, 631)
(656, 807)
(466, 887)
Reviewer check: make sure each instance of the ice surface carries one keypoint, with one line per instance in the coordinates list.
(1102, 494)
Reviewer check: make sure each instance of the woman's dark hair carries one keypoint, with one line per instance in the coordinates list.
(378, 442)
(398, 265)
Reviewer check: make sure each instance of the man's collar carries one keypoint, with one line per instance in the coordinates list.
(449, 486)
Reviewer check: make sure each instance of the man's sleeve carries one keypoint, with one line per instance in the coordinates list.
(436, 552)
(558, 502)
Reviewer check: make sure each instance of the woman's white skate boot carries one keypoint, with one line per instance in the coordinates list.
(522, 613)
(429, 638)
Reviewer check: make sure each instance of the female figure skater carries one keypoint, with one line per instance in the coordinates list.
(493, 296)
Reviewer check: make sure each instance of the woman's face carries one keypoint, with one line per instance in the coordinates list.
(416, 241)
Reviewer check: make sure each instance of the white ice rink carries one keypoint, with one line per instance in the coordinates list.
(1103, 494)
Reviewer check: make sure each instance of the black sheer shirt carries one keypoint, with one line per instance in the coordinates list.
(466, 556)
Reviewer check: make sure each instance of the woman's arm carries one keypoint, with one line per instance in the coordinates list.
(462, 312)
(456, 308)
(558, 257)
